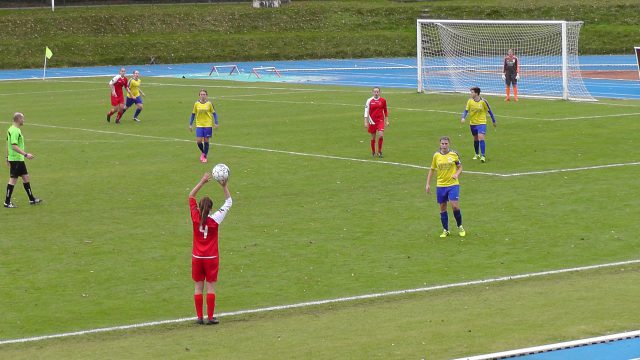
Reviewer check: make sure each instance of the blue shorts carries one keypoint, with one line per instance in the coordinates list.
(448, 193)
(131, 101)
(478, 129)
(204, 132)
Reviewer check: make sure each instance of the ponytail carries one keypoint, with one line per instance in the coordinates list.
(205, 208)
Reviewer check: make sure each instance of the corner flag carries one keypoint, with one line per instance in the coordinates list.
(47, 55)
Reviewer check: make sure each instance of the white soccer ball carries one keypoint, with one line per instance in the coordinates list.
(221, 173)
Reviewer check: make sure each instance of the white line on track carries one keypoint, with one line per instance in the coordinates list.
(296, 153)
(328, 301)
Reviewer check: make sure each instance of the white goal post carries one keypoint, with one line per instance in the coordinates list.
(454, 55)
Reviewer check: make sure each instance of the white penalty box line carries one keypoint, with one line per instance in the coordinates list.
(541, 172)
(327, 301)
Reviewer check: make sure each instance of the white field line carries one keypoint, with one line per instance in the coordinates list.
(296, 153)
(307, 90)
(329, 301)
(558, 346)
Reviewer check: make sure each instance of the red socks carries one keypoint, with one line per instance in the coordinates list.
(119, 115)
(373, 146)
(380, 139)
(211, 304)
(198, 301)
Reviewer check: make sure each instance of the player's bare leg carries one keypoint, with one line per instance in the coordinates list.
(380, 140)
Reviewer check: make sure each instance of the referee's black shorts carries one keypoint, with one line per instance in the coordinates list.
(511, 79)
(17, 169)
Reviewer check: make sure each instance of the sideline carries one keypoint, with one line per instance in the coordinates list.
(327, 301)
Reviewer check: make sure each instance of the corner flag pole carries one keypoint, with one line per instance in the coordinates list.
(47, 55)
(53, 5)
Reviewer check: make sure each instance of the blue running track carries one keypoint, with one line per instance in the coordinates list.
(390, 73)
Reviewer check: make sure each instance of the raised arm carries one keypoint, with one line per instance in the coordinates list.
(205, 178)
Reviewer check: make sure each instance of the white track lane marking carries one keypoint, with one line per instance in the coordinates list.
(327, 301)
(558, 346)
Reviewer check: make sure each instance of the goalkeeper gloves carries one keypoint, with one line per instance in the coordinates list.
(504, 77)
(517, 76)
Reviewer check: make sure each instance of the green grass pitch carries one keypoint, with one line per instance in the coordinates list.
(316, 219)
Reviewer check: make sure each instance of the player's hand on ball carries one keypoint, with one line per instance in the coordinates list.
(206, 177)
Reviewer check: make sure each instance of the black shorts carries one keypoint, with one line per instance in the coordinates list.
(510, 79)
(17, 169)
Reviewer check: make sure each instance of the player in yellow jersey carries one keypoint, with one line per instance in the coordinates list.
(446, 163)
(477, 109)
(205, 117)
(134, 95)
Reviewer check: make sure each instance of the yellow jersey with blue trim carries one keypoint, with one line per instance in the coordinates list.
(204, 114)
(445, 165)
(134, 88)
(477, 111)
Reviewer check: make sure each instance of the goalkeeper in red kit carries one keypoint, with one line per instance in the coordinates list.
(376, 116)
(205, 257)
(511, 74)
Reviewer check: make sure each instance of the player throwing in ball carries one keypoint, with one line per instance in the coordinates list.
(448, 167)
(376, 116)
(205, 256)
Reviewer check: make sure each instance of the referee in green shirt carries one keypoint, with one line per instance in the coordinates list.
(15, 160)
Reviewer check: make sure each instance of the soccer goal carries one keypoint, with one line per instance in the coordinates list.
(233, 68)
(269, 69)
(454, 55)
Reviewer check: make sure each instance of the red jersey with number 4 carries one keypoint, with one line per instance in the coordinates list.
(119, 83)
(376, 109)
(205, 238)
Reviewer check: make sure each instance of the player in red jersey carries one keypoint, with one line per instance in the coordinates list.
(511, 74)
(376, 116)
(117, 84)
(205, 258)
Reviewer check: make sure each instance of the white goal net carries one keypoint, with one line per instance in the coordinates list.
(454, 55)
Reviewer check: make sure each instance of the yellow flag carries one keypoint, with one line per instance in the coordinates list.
(48, 53)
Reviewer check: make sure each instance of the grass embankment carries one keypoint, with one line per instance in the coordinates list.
(304, 29)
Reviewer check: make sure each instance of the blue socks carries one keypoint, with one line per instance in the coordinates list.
(444, 218)
(206, 148)
(137, 113)
(482, 147)
(201, 147)
(458, 215)
(476, 146)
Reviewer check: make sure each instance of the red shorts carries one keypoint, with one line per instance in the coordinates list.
(204, 269)
(378, 126)
(117, 100)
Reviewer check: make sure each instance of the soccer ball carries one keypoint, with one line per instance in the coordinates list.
(221, 173)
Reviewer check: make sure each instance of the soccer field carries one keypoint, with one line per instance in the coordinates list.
(315, 218)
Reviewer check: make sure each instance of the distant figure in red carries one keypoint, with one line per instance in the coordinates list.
(511, 74)
(117, 84)
(376, 116)
(205, 257)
